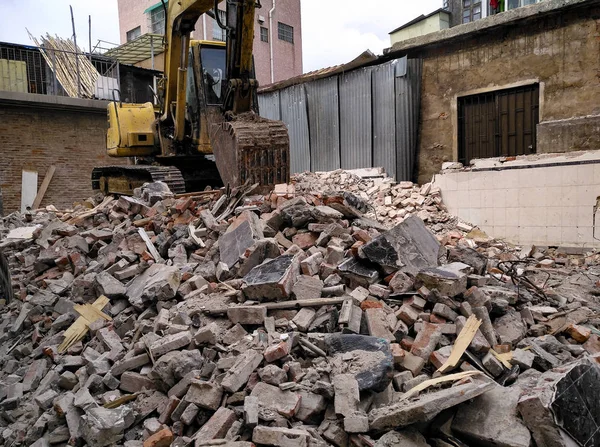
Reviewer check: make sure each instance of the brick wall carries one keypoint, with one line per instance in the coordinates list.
(35, 138)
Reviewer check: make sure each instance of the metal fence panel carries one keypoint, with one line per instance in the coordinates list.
(268, 105)
(407, 119)
(384, 118)
(324, 124)
(356, 119)
(294, 115)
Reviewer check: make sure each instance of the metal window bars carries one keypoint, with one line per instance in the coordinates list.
(50, 71)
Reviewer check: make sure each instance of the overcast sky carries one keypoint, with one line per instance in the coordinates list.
(333, 31)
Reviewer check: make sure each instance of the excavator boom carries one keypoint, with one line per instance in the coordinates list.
(190, 126)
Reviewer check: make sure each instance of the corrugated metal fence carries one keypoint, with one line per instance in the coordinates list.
(368, 117)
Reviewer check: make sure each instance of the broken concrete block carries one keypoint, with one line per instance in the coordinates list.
(311, 407)
(307, 287)
(108, 286)
(564, 400)
(486, 328)
(128, 364)
(286, 403)
(449, 280)
(522, 358)
(170, 343)
(206, 395)
(425, 407)
(272, 280)
(444, 311)
(254, 315)
(426, 341)
(407, 314)
(134, 382)
(347, 394)
(310, 266)
(409, 247)
(103, 426)
(240, 236)
(217, 426)
(251, 411)
(510, 328)
(356, 423)
(157, 283)
(304, 318)
(239, 374)
(281, 437)
(377, 324)
(404, 438)
(492, 419)
(207, 335)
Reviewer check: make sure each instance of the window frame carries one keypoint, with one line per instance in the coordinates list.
(285, 32)
(138, 34)
(157, 26)
(264, 34)
(468, 10)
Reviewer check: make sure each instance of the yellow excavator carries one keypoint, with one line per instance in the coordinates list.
(205, 129)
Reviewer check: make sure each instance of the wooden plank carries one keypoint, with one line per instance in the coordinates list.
(462, 342)
(44, 187)
(89, 314)
(151, 248)
(431, 382)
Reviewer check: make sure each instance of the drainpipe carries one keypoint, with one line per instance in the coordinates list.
(204, 26)
(271, 11)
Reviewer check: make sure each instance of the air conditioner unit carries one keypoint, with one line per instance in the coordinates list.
(261, 19)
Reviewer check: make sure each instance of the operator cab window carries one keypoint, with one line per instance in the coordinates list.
(213, 71)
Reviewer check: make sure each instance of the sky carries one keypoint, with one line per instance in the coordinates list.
(333, 31)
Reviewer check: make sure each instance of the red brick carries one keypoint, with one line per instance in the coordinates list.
(162, 438)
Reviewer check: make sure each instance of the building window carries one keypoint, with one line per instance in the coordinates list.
(497, 6)
(134, 34)
(285, 32)
(264, 34)
(218, 32)
(471, 10)
(446, 5)
(499, 123)
(157, 20)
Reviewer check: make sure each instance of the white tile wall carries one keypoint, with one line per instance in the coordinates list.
(542, 205)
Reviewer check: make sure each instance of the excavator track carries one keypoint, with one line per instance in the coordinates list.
(252, 149)
(124, 179)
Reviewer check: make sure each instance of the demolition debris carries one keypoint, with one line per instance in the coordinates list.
(342, 309)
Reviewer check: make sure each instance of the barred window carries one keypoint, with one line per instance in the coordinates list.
(134, 34)
(157, 21)
(264, 34)
(285, 32)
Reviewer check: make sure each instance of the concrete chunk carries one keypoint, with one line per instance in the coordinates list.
(272, 280)
(217, 426)
(170, 343)
(281, 437)
(206, 395)
(347, 394)
(285, 403)
(239, 374)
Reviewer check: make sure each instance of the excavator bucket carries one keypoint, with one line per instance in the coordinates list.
(251, 149)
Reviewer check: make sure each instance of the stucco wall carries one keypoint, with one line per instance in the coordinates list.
(561, 52)
(429, 25)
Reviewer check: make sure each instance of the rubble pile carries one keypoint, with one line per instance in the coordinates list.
(291, 319)
(386, 200)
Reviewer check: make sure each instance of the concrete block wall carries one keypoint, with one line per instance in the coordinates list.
(541, 204)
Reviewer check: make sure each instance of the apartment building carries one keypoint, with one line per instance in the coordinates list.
(277, 35)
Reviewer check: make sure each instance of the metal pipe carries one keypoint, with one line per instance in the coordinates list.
(76, 55)
(271, 11)
(90, 37)
(152, 50)
(203, 26)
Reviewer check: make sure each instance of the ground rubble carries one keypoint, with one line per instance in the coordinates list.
(305, 317)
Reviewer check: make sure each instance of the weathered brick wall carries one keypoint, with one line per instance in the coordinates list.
(35, 138)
